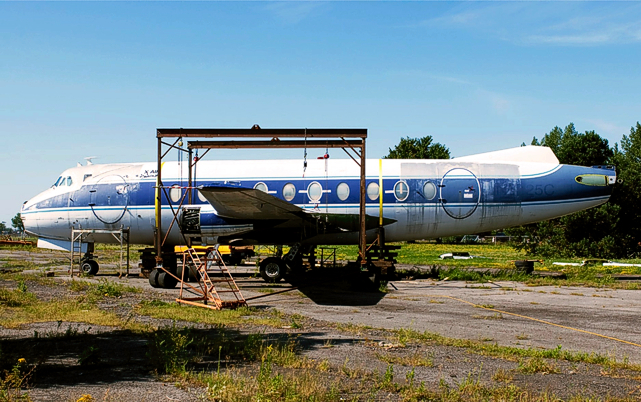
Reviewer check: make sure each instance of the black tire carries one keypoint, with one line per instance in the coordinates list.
(183, 272)
(153, 278)
(524, 266)
(189, 274)
(272, 269)
(232, 260)
(166, 281)
(89, 267)
(373, 280)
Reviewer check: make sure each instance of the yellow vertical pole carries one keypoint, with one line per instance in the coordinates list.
(380, 192)
(157, 205)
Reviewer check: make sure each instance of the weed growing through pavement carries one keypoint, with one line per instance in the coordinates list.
(502, 375)
(512, 353)
(537, 364)
(416, 359)
(16, 298)
(89, 356)
(167, 349)
(241, 315)
(14, 381)
(22, 286)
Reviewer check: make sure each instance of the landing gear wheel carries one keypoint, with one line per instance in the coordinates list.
(166, 281)
(153, 278)
(374, 280)
(89, 267)
(272, 269)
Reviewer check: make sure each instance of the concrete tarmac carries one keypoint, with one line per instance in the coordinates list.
(588, 315)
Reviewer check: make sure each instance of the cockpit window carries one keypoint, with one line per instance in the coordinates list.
(57, 183)
(69, 181)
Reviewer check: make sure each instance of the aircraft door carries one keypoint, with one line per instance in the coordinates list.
(109, 199)
(460, 193)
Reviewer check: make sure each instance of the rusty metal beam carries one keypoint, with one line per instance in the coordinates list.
(261, 133)
(362, 238)
(158, 207)
(274, 144)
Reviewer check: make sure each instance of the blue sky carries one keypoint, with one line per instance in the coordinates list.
(96, 79)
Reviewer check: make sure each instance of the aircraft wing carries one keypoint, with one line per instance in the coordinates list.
(249, 203)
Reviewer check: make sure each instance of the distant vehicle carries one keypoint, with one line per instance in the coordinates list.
(277, 202)
(457, 255)
(595, 261)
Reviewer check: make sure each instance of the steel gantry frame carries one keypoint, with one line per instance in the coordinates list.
(351, 140)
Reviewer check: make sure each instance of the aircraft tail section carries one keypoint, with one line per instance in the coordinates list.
(529, 153)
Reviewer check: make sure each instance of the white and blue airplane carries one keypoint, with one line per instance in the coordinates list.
(279, 202)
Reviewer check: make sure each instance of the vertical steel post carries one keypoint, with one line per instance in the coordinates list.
(363, 230)
(128, 235)
(190, 178)
(158, 205)
(190, 184)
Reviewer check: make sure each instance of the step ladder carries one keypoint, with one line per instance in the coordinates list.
(208, 294)
(76, 250)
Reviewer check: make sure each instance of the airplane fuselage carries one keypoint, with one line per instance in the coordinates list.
(423, 198)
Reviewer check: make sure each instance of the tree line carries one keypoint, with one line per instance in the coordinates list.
(612, 230)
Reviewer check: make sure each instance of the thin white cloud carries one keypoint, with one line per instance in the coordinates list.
(585, 39)
(596, 34)
(450, 79)
(293, 12)
(456, 19)
(604, 127)
(531, 23)
(499, 103)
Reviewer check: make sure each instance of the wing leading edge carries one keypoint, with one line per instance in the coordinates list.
(251, 204)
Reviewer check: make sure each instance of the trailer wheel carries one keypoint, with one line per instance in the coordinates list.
(272, 269)
(166, 281)
(188, 273)
(153, 278)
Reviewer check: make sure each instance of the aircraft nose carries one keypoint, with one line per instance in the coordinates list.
(28, 219)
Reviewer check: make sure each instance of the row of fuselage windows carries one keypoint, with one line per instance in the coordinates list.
(315, 191)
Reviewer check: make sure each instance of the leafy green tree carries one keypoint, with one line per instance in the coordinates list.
(16, 222)
(3, 227)
(418, 148)
(627, 194)
(591, 233)
(573, 148)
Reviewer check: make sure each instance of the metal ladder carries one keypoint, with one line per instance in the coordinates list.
(210, 295)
